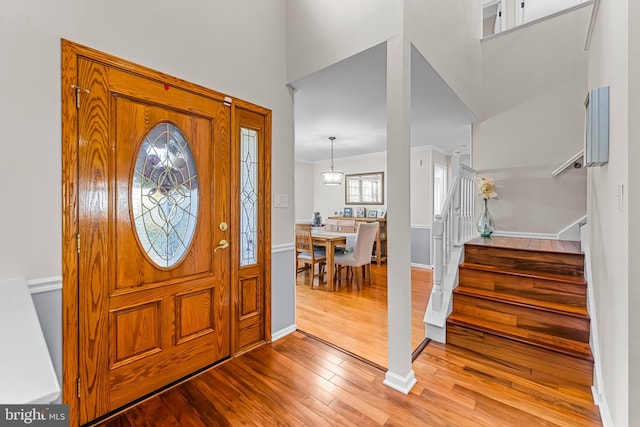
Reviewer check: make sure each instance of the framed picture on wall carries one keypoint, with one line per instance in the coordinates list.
(372, 213)
(348, 212)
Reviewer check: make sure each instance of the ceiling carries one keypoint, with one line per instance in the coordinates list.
(348, 100)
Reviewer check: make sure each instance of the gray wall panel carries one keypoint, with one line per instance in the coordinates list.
(421, 245)
(283, 296)
(49, 308)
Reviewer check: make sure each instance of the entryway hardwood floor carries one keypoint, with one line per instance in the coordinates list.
(356, 321)
(300, 381)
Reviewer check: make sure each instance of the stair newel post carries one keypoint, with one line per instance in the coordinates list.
(438, 270)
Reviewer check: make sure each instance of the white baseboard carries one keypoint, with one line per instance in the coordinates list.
(570, 232)
(45, 284)
(275, 336)
(597, 390)
(421, 226)
(601, 401)
(525, 235)
(423, 266)
(403, 384)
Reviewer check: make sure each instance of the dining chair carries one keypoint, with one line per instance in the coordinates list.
(347, 225)
(342, 226)
(331, 225)
(360, 257)
(308, 255)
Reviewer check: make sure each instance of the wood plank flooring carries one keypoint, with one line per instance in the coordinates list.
(356, 321)
(551, 245)
(300, 381)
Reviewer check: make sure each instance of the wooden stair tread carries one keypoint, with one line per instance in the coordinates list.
(523, 301)
(517, 272)
(539, 339)
(528, 361)
(528, 244)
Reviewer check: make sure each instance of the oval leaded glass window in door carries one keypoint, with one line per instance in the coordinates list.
(164, 195)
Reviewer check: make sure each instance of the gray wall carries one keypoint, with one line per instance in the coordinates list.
(283, 296)
(49, 308)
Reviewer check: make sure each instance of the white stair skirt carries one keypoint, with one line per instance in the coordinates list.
(27, 375)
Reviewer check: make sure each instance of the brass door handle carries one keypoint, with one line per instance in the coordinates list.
(223, 244)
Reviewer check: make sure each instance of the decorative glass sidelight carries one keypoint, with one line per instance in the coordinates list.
(248, 196)
(164, 195)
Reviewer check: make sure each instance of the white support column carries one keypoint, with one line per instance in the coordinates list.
(400, 375)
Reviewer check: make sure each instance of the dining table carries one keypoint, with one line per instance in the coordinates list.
(330, 240)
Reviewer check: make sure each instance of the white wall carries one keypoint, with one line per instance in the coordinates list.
(422, 160)
(609, 226)
(534, 86)
(203, 41)
(321, 33)
(421, 187)
(537, 9)
(446, 33)
(304, 191)
(30, 118)
(634, 210)
(330, 199)
(327, 200)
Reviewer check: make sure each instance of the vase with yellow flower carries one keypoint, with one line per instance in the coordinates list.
(487, 190)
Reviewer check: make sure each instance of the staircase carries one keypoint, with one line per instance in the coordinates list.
(521, 303)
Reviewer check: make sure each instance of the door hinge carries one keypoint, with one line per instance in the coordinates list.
(78, 384)
(79, 90)
(78, 242)
(522, 5)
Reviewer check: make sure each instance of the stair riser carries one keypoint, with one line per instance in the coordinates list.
(571, 265)
(530, 321)
(534, 363)
(571, 294)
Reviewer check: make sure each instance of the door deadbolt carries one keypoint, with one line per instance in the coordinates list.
(223, 226)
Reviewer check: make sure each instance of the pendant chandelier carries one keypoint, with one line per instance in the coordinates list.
(331, 177)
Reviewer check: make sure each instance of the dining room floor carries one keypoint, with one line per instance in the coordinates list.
(356, 321)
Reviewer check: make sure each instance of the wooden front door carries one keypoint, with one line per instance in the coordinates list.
(153, 204)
